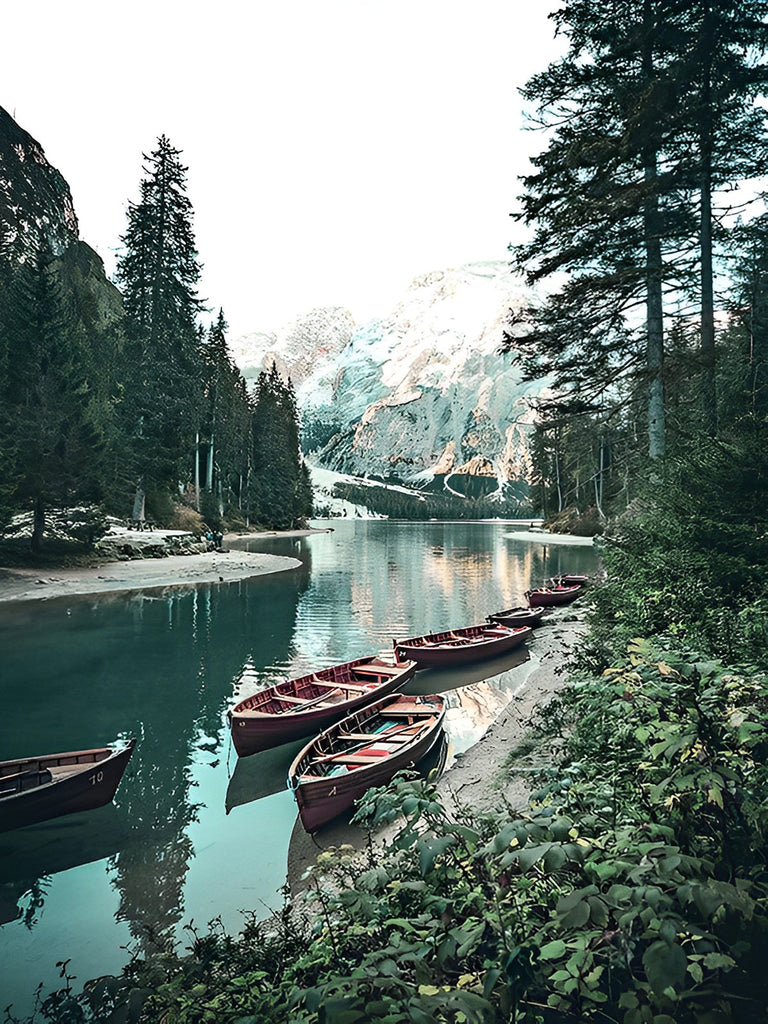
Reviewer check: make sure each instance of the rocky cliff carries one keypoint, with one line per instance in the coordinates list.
(36, 206)
(37, 214)
(421, 395)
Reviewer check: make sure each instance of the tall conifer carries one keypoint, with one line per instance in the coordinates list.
(48, 430)
(159, 272)
(650, 113)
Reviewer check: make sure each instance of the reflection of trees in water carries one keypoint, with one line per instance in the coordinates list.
(436, 574)
(157, 666)
(211, 635)
(23, 900)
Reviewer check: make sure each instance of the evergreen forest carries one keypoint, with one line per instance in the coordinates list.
(135, 408)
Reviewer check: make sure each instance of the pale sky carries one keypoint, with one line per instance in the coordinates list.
(336, 148)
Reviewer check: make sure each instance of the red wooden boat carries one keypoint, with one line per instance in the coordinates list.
(518, 617)
(365, 749)
(299, 707)
(548, 597)
(51, 785)
(455, 646)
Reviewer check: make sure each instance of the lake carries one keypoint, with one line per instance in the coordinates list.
(189, 837)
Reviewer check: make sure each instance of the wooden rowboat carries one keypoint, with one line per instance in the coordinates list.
(367, 748)
(518, 617)
(456, 646)
(548, 597)
(569, 579)
(295, 708)
(51, 785)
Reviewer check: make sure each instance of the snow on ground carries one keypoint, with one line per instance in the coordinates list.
(323, 481)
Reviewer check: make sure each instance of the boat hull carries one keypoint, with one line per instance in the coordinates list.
(322, 799)
(462, 646)
(552, 597)
(92, 782)
(253, 731)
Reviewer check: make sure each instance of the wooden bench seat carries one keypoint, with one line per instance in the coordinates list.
(358, 758)
(380, 737)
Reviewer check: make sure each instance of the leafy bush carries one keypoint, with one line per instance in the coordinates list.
(688, 559)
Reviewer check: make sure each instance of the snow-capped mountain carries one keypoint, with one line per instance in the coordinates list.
(421, 393)
(297, 349)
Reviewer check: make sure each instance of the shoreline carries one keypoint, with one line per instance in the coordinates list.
(113, 577)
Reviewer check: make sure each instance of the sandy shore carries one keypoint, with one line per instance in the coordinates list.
(147, 573)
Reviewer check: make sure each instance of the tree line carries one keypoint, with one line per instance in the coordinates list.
(129, 402)
(645, 217)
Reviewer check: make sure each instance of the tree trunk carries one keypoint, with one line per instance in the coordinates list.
(654, 345)
(654, 303)
(209, 467)
(197, 471)
(139, 500)
(38, 526)
(599, 480)
(708, 387)
(557, 479)
(758, 344)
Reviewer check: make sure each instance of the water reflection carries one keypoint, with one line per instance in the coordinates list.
(261, 774)
(164, 666)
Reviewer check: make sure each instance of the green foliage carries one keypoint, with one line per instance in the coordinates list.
(283, 491)
(112, 401)
(688, 558)
(51, 443)
(158, 271)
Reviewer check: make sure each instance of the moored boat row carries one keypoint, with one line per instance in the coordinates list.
(363, 728)
(371, 730)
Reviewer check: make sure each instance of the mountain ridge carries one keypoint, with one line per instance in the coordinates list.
(420, 394)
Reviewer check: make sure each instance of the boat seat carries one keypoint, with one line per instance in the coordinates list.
(316, 702)
(378, 738)
(359, 758)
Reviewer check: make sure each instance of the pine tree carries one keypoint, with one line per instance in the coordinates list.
(226, 425)
(159, 271)
(720, 134)
(47, 424)
(282, 485)
(612, 199)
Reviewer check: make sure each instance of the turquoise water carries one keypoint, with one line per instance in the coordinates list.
(189, 837)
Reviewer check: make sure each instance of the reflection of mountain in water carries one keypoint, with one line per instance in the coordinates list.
(477, 692)
(408, 578)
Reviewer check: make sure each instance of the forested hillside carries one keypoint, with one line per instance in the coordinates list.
(127, 401)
